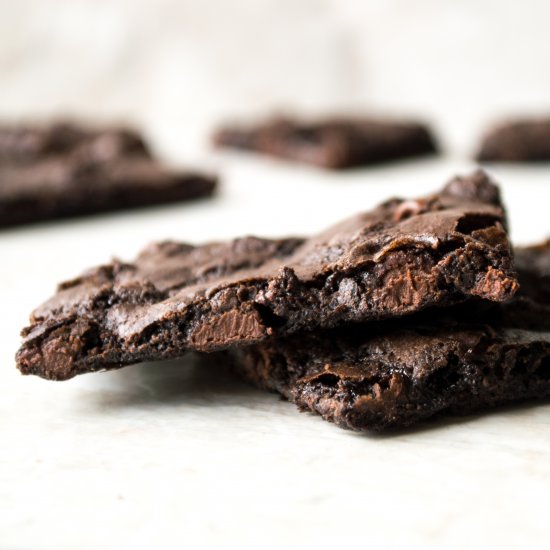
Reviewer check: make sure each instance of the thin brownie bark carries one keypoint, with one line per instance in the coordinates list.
(30, 143)
(63, 171)
(459, 361)
(526, 140)
(400, 258)
(335, 143)
(61, 188)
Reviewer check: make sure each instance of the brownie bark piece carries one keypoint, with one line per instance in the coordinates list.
(59, 187)
(402, 257)
(335, 143)
(526, 140)
(30, 143)
(404, 372)
(64, 171)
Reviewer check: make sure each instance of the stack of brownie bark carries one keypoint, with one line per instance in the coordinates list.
(63, 170)
(415, 308)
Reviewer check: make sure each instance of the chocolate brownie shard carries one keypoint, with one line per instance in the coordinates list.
(64, 170)
(30, 143)
(522, 140)
(400, 258)
(403, 372)
(61, 188)
(335, 143)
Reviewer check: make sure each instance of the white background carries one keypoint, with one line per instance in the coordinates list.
(181, 454)
(176, 67)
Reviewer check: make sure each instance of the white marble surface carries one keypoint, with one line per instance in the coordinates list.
(182, 455)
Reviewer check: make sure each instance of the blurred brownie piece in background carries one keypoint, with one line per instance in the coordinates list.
(334, 143)
(65, 170)
(521, 140)
(30, 143)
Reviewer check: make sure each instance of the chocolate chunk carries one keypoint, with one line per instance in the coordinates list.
(333, 143)
(63, 171)
(454, 361)
(525, 140)
(399, 258)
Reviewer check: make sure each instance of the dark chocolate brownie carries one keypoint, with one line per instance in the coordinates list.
(399, 258)
(30, 143)
(60, 188)
(526, 140)
(63, 171)
(455, 361)
(335, 143)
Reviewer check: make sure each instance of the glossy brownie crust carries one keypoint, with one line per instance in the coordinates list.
(63, 171)
(402, 257)
(517, 141)
(460, 361)
(332, 143)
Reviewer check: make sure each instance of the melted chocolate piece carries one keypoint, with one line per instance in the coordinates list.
(456, 361)
(332, 143)
(517, 141)
(397, 259)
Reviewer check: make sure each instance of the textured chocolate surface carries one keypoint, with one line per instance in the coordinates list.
(402, 257)
(517, 141)
(457, 361)
(333, 143)
(63, 171)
